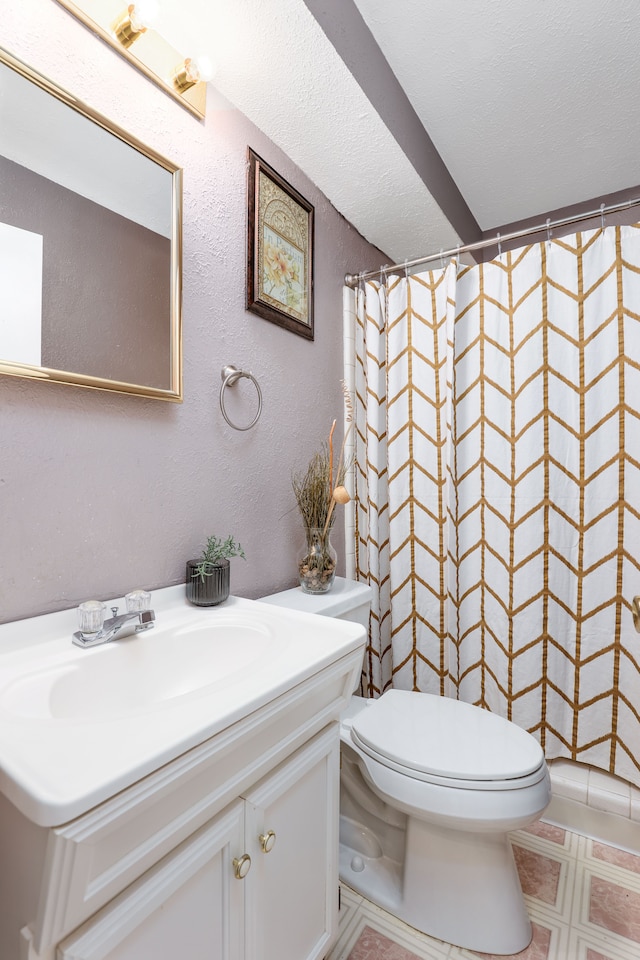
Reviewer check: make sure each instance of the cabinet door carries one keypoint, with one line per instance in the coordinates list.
(188, 905)
(291, 823)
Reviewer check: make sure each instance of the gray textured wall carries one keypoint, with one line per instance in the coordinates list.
(100, 493)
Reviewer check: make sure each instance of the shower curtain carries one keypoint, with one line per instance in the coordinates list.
(497, 485)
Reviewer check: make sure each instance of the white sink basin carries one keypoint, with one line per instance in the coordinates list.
(77, 726)
(143, 671)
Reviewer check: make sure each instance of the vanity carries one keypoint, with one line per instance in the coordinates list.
(173, 793)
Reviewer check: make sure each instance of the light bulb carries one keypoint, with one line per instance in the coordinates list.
(144, 14)
(191, 71)
(135, 20)
(204, 67)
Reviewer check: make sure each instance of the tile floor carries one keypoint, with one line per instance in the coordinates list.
(583, 898)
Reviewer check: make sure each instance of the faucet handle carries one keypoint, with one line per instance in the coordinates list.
(91, 617)
(138, 600)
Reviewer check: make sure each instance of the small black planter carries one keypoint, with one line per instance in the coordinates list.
(211, 589)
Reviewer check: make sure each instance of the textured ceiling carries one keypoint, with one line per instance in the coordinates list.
(531, 107)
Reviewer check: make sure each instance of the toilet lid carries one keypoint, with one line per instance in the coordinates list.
(445, 738)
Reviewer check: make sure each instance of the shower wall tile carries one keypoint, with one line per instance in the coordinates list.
(596, 803)
(570, 769)
(569, 780)
(569, 789)
(609, 802)
(608, 793)
(606, 783)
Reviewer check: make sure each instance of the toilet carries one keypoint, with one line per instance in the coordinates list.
(430, 787)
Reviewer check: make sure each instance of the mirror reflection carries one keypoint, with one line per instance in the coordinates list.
(89, 246)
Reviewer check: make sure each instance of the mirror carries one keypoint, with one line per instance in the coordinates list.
(90, 246)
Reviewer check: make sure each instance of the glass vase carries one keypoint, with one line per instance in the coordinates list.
(317, 561)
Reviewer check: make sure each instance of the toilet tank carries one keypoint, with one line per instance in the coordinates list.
(347, 600)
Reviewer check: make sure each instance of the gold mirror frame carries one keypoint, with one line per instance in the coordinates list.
(174, 340)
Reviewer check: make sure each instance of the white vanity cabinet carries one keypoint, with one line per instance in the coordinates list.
(258, 882)
(291, 828)
(189, 905)
(150, 874)
(197, 817)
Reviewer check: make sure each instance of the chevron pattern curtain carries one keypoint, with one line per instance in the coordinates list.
(498, 488)
(371, 480)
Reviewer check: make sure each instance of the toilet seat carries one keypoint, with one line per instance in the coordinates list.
(447, 742)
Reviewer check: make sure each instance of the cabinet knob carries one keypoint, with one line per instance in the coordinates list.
(241, 866)
(267, 841)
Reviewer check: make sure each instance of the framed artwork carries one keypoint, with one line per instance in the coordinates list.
(280, 250)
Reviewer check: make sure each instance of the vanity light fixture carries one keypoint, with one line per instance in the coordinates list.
(134, 21)
(131, 32)
(191, 71)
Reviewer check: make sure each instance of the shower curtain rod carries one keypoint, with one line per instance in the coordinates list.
(353, 279)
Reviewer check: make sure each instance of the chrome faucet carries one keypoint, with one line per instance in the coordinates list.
(94, 630)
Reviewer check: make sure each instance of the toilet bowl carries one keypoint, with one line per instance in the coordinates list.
(429, 789)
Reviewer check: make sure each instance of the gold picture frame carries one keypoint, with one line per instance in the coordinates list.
(280, 250)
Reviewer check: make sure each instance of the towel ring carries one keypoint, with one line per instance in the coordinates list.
(230, 376)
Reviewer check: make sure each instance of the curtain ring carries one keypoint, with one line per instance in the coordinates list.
(602, 206)
(230, 376)
(549, 230)
(499, 244)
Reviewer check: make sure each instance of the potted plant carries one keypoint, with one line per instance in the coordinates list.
(208, 577)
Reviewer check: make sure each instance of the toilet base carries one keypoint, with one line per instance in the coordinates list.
(460, 887)
(378, 879)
